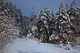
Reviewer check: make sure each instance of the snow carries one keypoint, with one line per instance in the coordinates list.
(30, 46)
(46, 26)
(59, 26)
(68, 26)
(29, 35)
(56, 37)
(45, 14)
(64, 17)
(60, 14)
(60, 19)
(60, 44)
(41, 29)
(63, 22)
(72, 17)
(43, 17)
(52, 37)
(70, 31)
(34, 28)
(45, 22)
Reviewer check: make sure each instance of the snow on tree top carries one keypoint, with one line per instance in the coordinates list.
(45, 14)
(43, 17)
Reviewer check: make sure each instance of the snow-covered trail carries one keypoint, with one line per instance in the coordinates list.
(30, 46)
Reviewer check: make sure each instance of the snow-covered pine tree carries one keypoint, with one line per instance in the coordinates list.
(63, 25)
(52, 23)
(45, 23)
(68, 22)
(32, 25)
(52, 29)
(40, 22)
(74, 20)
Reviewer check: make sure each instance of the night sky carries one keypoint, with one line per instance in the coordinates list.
(26, 5)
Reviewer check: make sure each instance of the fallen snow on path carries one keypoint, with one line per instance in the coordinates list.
(30, 46)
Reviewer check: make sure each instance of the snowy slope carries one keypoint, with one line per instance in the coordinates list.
(30, 46)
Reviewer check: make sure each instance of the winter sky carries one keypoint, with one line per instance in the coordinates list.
(26, 5)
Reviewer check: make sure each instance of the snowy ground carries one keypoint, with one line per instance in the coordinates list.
(30, 46)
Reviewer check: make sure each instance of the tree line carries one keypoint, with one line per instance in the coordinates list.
(63, 27)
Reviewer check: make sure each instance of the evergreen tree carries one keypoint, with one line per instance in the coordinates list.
(45, 21)
(63, 25)
(33, 20)
(40, 22)
(74, 20)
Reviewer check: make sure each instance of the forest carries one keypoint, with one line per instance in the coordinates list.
(61, 28)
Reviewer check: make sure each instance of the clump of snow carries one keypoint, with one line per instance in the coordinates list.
(43, 18)
(45, 14)
(65, 17)
(72, 17)
(60, 14)
(41, 29)
(45, 22)
(60, 44)
(51, 37)
(63, 22)
(29, 36)
(56, 37)
(46, 26)
(34, 28)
